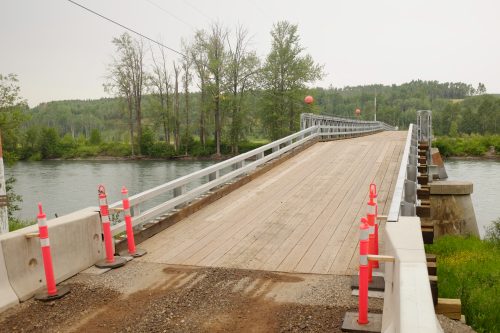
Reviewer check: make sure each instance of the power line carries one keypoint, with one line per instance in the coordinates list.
(127, 28)
(172, 15)
(198, 10)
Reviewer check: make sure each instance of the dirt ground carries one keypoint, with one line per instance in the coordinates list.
(148, 297)
(145, 297)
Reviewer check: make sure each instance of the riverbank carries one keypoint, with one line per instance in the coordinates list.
(469, 268)
(469, 146)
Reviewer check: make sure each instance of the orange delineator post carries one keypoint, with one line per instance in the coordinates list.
(47, 257)
(111, 260)
(128, 221)
(132, 251)
(363, 272)
(106, 225)
(373, 199)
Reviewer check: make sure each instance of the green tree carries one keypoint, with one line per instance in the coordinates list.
(95, 137)
(49, 143)
(284, 77)
(11, 115)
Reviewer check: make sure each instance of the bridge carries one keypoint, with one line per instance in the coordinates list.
(292, 206)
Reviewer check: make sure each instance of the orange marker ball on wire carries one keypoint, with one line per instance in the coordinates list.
(308, 99)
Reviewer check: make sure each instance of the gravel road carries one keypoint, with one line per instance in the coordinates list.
(147, 297)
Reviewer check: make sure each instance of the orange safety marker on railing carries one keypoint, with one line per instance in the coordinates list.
(363, 272)
(132, 250)
(373, 199)
(52, 291)
(111, 260)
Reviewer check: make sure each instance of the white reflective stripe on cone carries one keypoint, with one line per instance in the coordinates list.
(102, 202)
(44, 242)
(127, 212)
(371, 209)
(363, 234)
(105, 219)
(363, 260)
(42, 222)
(372, 229)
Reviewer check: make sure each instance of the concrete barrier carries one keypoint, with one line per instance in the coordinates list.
(8, 297)
(408, 305)
(76, 244)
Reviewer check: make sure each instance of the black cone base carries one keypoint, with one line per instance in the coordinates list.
(136, 254)
(61, 292)
(118, 262)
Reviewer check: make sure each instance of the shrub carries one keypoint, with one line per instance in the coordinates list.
(493, 232)
(115, 149)
(469, 269)
(161, 150)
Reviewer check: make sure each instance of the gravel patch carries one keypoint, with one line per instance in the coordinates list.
(147, 297)
(453, 326)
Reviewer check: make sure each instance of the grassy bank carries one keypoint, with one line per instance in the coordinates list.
(80, 149)
(468, 145)
(469, 269)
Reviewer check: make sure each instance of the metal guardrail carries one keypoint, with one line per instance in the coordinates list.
(404, 200)
(229, 170)
(310, 119)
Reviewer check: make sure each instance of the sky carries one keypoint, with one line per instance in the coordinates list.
(59, 51)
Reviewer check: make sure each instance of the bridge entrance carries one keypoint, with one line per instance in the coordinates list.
(302, 216)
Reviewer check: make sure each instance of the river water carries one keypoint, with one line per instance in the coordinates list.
(485, 174)
(66, 186)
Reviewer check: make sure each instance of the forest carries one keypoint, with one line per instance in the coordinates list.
(218, 98)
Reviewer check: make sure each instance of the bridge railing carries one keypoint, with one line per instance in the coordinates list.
(404, 199)
(210, 177)
(408, 304)
(310, 119)
(322, 127)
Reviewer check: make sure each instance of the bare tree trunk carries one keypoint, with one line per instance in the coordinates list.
(176, 108)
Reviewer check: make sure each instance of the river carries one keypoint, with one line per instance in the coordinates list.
(485, 174)
(66, 186)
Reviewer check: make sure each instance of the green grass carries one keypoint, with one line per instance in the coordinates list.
(15, 224)
(469, 269)
(467, 145)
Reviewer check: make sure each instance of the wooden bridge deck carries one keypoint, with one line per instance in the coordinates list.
(301, 216)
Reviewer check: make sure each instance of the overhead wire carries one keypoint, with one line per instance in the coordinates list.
(171, 14)
(127, 28)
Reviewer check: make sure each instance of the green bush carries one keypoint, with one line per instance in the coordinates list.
(86, 151)
(161, 150)
(115, 149)
(15, 224)
(467, 145)
(251, 145)
(469, 269)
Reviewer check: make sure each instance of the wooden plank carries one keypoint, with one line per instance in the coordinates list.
(385, 188)
(350, 241)
(228, 253)
(279, 226)
(284, 250)
(292, 217)
(316, 245)
(337, 240)
(257, 209)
